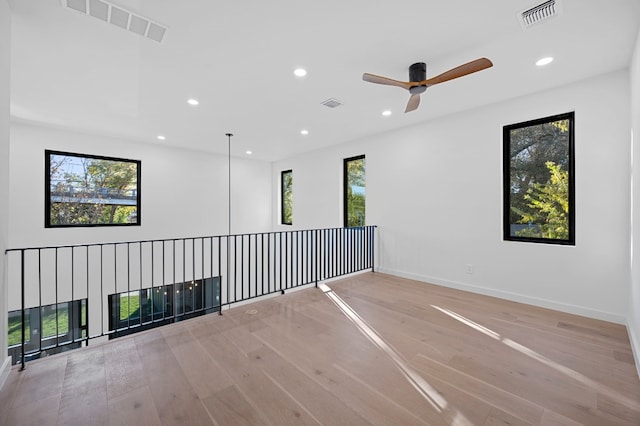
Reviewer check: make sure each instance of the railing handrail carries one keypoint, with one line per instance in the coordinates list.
(182, 238)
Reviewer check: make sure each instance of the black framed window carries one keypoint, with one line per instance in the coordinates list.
(538, 173)
(90, 190)
(354, 191)
(286, 197)
(54, 328)
(130, 312)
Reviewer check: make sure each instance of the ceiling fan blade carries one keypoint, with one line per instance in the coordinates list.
(461, 71)
(413, 103)
(371, 78)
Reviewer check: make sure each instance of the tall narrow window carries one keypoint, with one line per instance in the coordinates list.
(354, 191)
(286, 197)
(538, 173)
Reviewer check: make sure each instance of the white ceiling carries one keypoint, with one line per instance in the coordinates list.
(237, 58)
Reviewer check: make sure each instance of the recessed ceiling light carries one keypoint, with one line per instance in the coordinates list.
(248, 152)
(193, 102)
(161, 137)
(544, 61)
(300, 72)
(386, 113)
(304, 132)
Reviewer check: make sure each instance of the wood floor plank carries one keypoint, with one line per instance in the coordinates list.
(228, 406)
(371, 404)
(551, 418)
(203, 373)
(134, 407)
(84, 392)
(40, 412)
(123, 369)
(49, 371)
(306, 391)
(298, 359)
(518, 407)
(268, 398)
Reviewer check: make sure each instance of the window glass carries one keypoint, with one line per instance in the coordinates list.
(354, 191)
(538, 180)
(286, 197)
(86, 190)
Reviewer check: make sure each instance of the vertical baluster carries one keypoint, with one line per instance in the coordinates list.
(202, 298)
(193, 274)
(262, 261)
(70, 322)
(280, 257)
(86, 308)
(128, 287)
(220, 273)
(184, 276)
(175, 286)
(101, 289)
(228, 238)
(153, 281)
(56, 285)
(140, 286)
(22, 314)
(242, 269)
(164, 281)
(39, 299)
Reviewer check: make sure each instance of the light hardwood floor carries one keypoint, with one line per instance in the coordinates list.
(298, 359)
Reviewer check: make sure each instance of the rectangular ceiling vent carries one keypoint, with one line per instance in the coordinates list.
(540, 13)
(332, 103)
(120, 17)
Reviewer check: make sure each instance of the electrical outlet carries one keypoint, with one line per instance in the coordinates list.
(469, 268)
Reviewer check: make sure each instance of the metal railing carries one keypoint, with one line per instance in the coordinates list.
(60, 297)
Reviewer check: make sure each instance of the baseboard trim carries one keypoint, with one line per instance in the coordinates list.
(635, 344)
(515, 297)
(4, 371)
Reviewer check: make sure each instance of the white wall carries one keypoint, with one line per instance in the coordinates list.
(5, 53)
(435, 192)
(633, 321)
(184, 193)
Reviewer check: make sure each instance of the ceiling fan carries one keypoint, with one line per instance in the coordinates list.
(418, 81)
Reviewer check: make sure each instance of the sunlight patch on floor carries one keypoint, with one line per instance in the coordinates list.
(428, 392)
(599, 387)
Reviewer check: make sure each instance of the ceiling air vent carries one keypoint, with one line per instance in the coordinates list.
(540, 13)
(119, 17)
(332, 103)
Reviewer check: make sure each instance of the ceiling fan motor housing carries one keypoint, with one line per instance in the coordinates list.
(417, 72)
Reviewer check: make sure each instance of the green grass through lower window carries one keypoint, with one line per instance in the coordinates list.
(48, 324)
(129, 307)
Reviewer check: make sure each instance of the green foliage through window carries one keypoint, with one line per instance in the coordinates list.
(88, 190)
(286, 194)
(538, 187)
(354, 191)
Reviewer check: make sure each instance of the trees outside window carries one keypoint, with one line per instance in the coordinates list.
(538, 183)
(286, 197)
(354, 191)
(86, 190)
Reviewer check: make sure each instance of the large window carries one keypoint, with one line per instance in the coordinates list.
(354, 191)
(51, 328)
(138, 310)
(539, 180)
(88, 190)
(286, 197)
